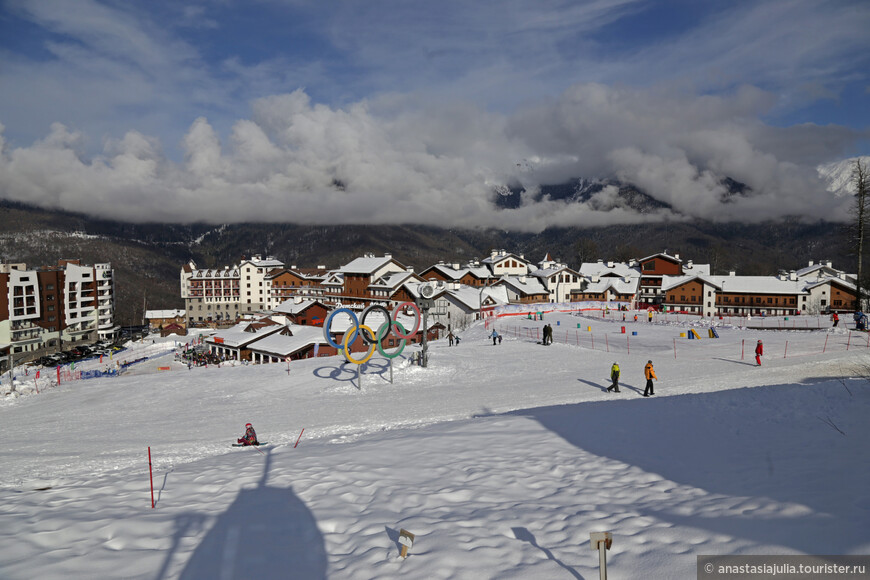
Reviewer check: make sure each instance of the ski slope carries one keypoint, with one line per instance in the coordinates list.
(500, 459)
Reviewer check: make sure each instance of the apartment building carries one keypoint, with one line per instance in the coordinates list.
(47, 308)
(223, 295)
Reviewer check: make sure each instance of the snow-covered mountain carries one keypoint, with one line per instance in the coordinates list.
(838, 175)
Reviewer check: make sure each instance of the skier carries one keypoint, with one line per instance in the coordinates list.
(836, 318)
(614, 376)
(450, 338)
(649, 315)
(650, 375)
(499, 338)
(494, 336)
(759, 352)
(250, 436)
(457, 340)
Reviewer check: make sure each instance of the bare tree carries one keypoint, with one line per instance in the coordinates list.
(585, 250)
(861, 181)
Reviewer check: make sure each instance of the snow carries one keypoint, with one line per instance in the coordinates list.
(500, 459)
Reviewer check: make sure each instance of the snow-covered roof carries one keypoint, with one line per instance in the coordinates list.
(495, 259)
(611, 269)
(692, 269)
(280, 344)
(269, 262)
(556, 269)
(525, 285)
(244, 333)
(662, 255)
(742, 284)
(470, 297)
(813, 283)
(293, 307)
(393, 280)
(366, 264)
(450, 272)
(618, 285)
(151, 314)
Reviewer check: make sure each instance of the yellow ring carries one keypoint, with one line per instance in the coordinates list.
(350, 333)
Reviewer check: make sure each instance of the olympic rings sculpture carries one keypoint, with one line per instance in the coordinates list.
(374, 339)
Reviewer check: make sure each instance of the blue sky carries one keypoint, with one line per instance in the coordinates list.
(483, 84)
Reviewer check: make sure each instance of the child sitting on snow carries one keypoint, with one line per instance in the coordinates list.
(250, 437)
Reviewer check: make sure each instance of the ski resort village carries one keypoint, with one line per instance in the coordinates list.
(495, 419)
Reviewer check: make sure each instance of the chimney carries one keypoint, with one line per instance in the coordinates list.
(609, 264)
(297, 299)
(455, 285)
(600, 261)
(732, 273)
(841, 275)
(523, 279)
(829, 263)
(388, 255)
(677, 256)
(689, 264)
(321, 266)
(455, 265)
(595, 279)
(792, 275)
(811, 262)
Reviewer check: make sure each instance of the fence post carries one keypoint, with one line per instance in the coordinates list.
(826, 344)
(607, 343)
(742, 345)
(675, 349)
(848, 342)
(786, 350)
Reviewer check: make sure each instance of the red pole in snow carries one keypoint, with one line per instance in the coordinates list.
(35, 385)
(300, 437)
(848, 342)
(151, 476)
(675, 349)
(58, 374)
(826, 344)
(627, 345)
(742, 345)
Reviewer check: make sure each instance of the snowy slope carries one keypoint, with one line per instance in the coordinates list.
(501, 459)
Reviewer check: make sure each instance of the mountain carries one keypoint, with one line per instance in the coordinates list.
(838, 175)
(147, 258)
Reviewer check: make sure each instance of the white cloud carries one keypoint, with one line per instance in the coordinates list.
(436, 165)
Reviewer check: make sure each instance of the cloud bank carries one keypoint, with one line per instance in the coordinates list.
(419, 113)
(395, 162)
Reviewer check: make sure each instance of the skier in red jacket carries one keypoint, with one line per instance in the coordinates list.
(759, 351)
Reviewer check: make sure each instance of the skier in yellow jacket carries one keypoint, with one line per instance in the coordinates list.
(650, 375)
(614, 376)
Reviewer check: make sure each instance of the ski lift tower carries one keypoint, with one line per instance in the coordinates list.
(425, 303)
